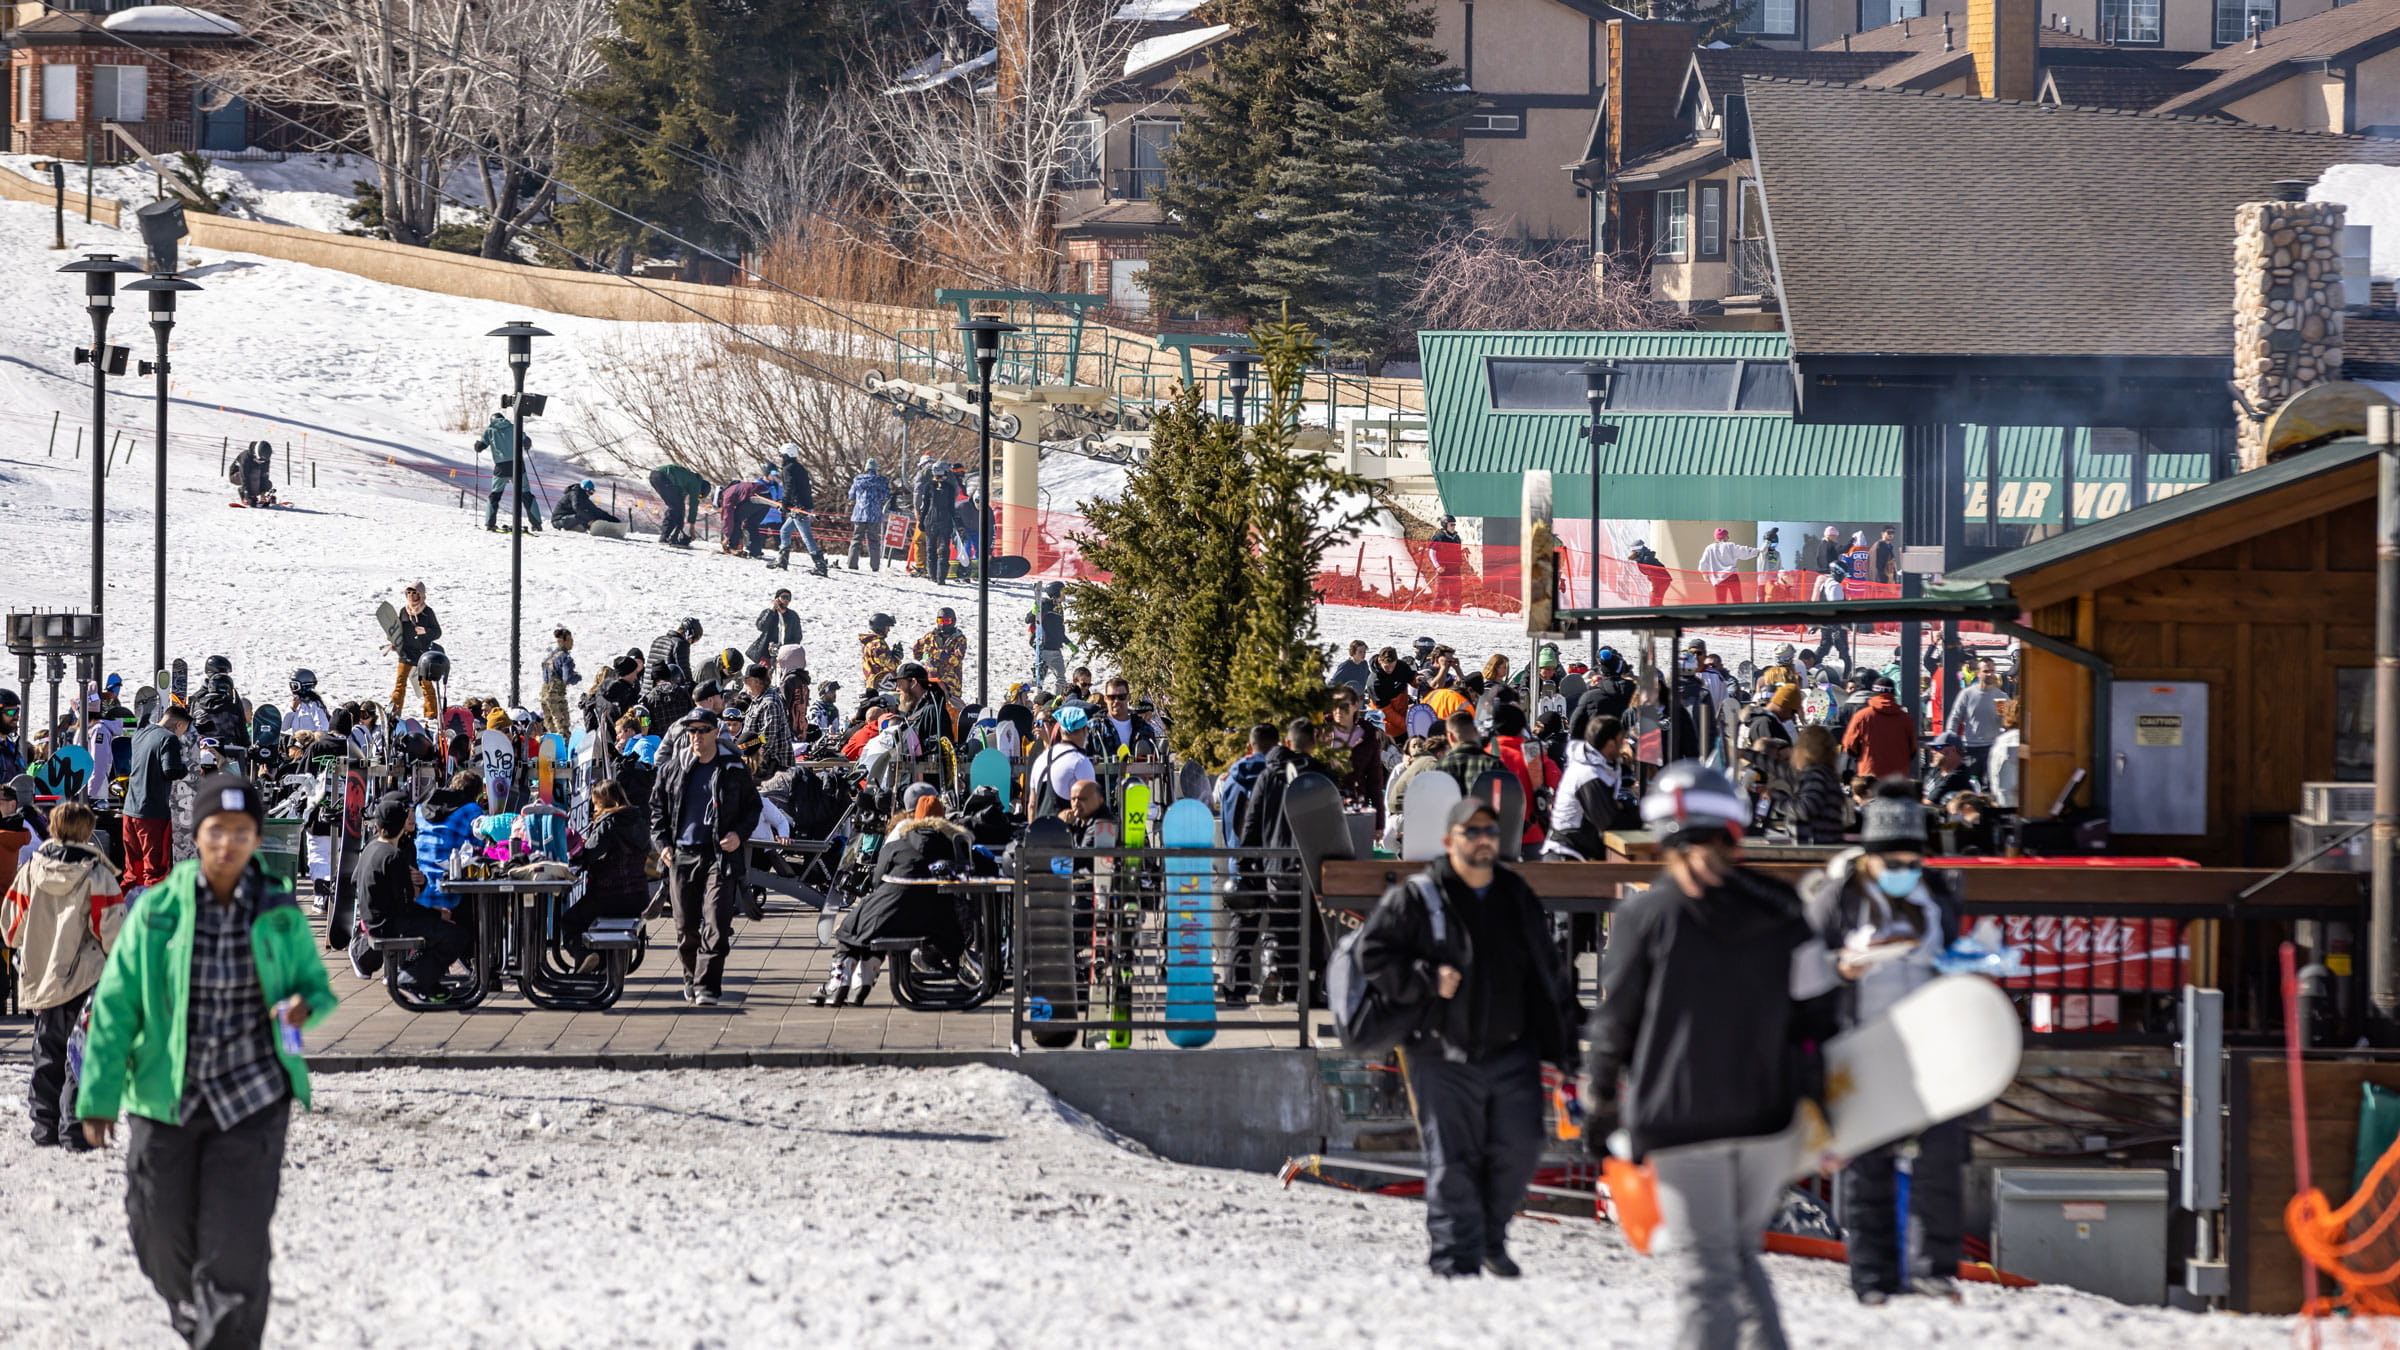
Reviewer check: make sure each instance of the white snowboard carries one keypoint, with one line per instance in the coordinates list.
(496, 760)
(1425, 814)
(1944, 1050)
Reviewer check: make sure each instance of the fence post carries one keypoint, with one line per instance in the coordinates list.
(79, 442)
(51, 452)
(224, 445)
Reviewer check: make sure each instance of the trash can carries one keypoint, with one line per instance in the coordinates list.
(2099, 1229)
(279, 853)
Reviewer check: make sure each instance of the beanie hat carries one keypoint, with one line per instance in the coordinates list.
(1893, 819)
(1072, 718)
(929, 806)
(222, 792)
(1723, 533)
(496, 720)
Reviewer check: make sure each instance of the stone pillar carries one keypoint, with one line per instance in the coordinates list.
(2287, 309)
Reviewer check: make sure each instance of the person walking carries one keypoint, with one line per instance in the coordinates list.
(419, 631)
(870, 497)
(1976, 718)
(702, 807)
(194, 1034)
(680, 492)
(1467, 942)
(558, 676)
(1046, 629)
(937, 503)
(778, 627)
(155, 763)
(1883, 736)
(1865, 902)
(1721, 561)
(60, 916)
(500, 438)
(799, 503)
(1711, 954)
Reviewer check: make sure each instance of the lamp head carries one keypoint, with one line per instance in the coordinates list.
(986, 333)
(162, 291)
(1598, 376)
(520, 337)
(1238, 363)
(100, 277)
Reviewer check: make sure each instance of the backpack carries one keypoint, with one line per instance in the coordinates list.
(1369, 1024)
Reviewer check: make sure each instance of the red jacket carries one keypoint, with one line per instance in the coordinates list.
(1532, 772)
(1884, 738)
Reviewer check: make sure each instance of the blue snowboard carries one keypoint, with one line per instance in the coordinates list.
(991, 769)
(1191, 899)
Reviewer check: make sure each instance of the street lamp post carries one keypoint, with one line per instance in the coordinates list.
(520, 337)
(1238, 363)
(1598, 378)
(986, 334)
(99, 272)
(161, 229)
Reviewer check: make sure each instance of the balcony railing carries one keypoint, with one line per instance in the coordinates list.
(1753, 270)
(1137, 185)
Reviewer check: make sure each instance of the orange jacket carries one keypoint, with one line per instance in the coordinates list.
(1884, 738)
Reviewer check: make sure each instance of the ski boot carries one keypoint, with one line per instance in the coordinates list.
(819, 560)
(836, 989)
(862, 979)
(783, 558)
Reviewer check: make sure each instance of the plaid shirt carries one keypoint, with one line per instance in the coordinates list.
(230, 1065)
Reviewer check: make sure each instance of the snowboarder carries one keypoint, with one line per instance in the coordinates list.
(1710, 954)
(680, 492)
(419, 631)
(558, 676)
(943, 650)
(308, 711)
(1046, 629)
(799, 503)
(878, 656)
(778, 627)
(870, 496)
(252, 474)
(937, 497)
(501, 439)
(218, 711)
(576, 510)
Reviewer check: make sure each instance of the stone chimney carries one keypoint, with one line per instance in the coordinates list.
(2287, 309)
(2004, 36)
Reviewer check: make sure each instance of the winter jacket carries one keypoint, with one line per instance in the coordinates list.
(60, 916)
(134, 1058)
(729, 506)
(937, 501)
(500, 437)
(1976, 719)
(943, 650)
(1262, 824)
(1820, 810)
(776, 630)
(683, 480)
(413, 643)
(799, 493)
(1356, 756)
(1106, 743)
(1585, 809)
(1233, 793)
(559, 665)
(876, 660)
(1385, 685)
(1467, 764)
(732, 807)
(911, 852)
(1702, 1013)
(217, 712)
(1532, 774)
(668, 648)
(156, 762)
(252, 469)
(772, 724)
(1883, 737)
(1398, 955)
(1838, 901)
(615, 861)
(1357, 674)
(386, 886)
(445, 821)
(870, 497)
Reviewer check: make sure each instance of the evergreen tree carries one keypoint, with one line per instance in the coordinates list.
(1238, 126)
(1375, 172)
(1213, 550)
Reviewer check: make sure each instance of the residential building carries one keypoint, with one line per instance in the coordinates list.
(78, 69)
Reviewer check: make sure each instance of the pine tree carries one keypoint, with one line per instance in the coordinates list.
(1239, 124)
(1375, 173)
(1213, 550)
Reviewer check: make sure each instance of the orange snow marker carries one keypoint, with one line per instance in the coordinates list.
(1632, 1199)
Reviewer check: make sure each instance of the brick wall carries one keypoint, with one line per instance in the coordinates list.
(166, 120)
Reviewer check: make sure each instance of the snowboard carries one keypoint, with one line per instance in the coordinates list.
(1507, 796)
(458, 721)
(1312, 811)
(1191, 972)
(387, 615)
(353, 827)
(62, 774)
(145, 705)
(496, 760)
(1116, 913)
(1006, 567)
(1048, 939)
(179, 680)
(1420, 719)
(991, 769)
(1137, 812)
(1425, 814)
(548, 760)
(266, 730)
(1191, 781)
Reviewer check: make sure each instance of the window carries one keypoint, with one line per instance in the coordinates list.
(2234, 16)
(120, 93)
(1555, 384)
(1505, 124)
(1082, 152)
(1149, 167)
(1712, 220)
(2133, 21)
(1673, 210)
(1877, 13)
(1768, 18)
(58, 93)
(24, 93)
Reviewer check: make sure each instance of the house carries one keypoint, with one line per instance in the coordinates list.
(2335, 71)
(77, 70)
(2127, 25)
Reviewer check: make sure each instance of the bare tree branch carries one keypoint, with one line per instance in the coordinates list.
(1481, 281)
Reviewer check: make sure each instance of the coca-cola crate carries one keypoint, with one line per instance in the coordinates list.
(2328, 803)
(2315, 841)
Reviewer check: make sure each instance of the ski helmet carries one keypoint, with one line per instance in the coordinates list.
(8, 700)
(1425, 645)
(730, 663)
(217, 665)
(434, 665)
(791, 450)
(303, 680)
(1056, 589)
(948, 615)
(1689, 798)
(691, 628)
(880, 624)
(587, 485)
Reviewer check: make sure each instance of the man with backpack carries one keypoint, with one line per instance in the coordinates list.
(1461, 954)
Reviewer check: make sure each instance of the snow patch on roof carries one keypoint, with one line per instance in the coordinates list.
(916, 83)
(1156, 11)
(1154, 51)
(2372, 192)
(985, 13)
(179, 19)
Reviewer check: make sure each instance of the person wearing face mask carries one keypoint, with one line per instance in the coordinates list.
(1883, 918)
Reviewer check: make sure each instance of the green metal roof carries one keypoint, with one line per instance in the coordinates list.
(1946, 599)
(2060, 548)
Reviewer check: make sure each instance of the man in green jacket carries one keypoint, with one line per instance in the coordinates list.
(501, 439)
(194, 1034)
(680, 492)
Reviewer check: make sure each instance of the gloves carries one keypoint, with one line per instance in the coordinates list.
(1601, 1117)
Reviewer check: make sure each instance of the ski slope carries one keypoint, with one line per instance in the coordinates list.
(366, 382)
(959, 1208)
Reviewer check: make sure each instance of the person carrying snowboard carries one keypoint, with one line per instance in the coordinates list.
(576, 510)
(680, 492)
(870, 497)
(1886, 919)
(943, 650)
(799, 503)
(419, 631)
(252, 474)
(1712, 955)
(500, 438)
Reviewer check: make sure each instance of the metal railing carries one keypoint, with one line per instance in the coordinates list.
(1137, 185)
(1130, 947)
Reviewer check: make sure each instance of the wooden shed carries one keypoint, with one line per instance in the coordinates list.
(2203, 656)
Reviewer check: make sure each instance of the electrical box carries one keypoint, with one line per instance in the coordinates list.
(2101, 1230)
(2158, 757)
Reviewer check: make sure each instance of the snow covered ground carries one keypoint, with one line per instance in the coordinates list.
(866, 1207)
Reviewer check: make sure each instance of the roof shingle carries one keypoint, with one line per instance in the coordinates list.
(2357, 29)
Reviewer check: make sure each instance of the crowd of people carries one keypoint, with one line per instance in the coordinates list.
(776, 507)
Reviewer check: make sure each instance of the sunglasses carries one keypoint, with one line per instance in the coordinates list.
(1480, 831)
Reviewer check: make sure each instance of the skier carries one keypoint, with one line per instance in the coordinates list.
(943, 650)
(308, 711)
(870, 496)
(937, 497)
(799, 496)
(878, 657)
(419, 631)
(252, 473)
(778, 627)
(1711, 954)
(501, 439)
(680, 492)
(558, 676)
(1046, 629)
(1866, 902)
(576, 510)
